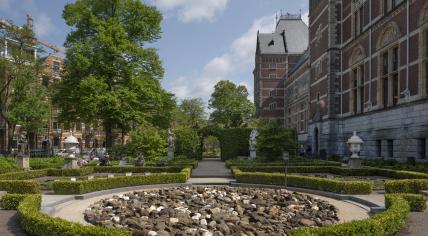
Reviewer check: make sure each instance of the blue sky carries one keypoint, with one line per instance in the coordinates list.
(203, 41)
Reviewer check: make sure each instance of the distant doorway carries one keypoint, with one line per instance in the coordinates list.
(211, 147)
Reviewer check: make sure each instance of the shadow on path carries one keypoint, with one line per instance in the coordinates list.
(9, 223)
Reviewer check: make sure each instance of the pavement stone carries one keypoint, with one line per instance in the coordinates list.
(211, 168)
(416, 225)
(9, 224)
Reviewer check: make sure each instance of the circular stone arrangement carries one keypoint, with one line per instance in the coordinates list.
(211, 211)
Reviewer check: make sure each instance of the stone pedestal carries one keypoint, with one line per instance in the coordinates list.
(354, 163)
(23, 162)
(252, 154)
(170, 154)
(123, 163)
(70, 163)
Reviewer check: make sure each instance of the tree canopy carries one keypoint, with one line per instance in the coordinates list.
(230, 105)
(190, 112)
(111, 77)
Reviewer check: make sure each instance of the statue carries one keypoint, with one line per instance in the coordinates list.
(171, 144)
(140, 160)
(253, 142)
(23, 158)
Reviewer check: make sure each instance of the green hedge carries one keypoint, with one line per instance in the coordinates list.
(406, 186)
(40, 224)
(395, 174)
(21, 175)
(19, 186)
(387, 223)
(309, 162)
(71, 172)
(137, 169)
(86, 186)
(11, 201)
(417, 202)
(336, 186)
(8, 165)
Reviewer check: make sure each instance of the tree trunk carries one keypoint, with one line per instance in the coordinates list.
(108, 132)
(32, 143)
(10, 133)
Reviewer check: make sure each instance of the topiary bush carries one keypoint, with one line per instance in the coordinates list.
(387, 223)
(331, 185)
(19, 186)
(40, 224)
(406, 186)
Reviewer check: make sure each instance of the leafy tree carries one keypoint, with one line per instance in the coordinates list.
(111, 77)
(231, 107)
(23, 100)
(148, 141)
(190, 112)
(274, 139)
(187, 142)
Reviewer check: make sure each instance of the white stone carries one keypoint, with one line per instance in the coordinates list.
(173, 220)
(204, 222)
(116, 219)
(246, 201)
(152, 233)
(126, 198)
(152, 208)
(159, 209)
(207, 233)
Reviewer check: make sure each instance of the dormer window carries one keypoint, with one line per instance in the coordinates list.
(271, 43)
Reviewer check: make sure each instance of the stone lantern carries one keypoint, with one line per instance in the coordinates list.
(354, 143)
(71, 145)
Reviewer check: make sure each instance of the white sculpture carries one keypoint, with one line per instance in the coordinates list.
(354, 143)
(171, 144)
(71, 146)
(253, 142)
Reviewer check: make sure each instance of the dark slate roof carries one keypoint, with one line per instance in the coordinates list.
(290, 28)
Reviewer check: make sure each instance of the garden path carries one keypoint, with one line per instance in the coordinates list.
(9, 224)
(211, 168)
(417, 224)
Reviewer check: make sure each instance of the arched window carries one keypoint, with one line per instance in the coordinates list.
(356, 62)
(388, 83)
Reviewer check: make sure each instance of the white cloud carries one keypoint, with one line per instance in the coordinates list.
(43, 25)
(305, 17)
(192, 10)
(237, 61)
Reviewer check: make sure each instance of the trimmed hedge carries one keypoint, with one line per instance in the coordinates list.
(71, 172)
(137, 169)
(22, 175)
(395, 174)
(232, 163)
(387, 223)
(336, 186)
(417, 202)
(406, 186)
(40, 224)
(86, 186)
(11, 201)
(19, 186)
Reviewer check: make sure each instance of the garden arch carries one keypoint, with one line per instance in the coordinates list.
(233, 141)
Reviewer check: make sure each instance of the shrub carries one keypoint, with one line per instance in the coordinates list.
(149, 141)
(406, 186)
(46, 162)
(337, 186)
(387, 223)
(86, 186)
(19, 186)
(274, 139)
(8, 165)
(21, 175)
(71, 172)
(264, 162)
(417, 202)
(187, 142)
(11, 201)
(136, 169)
(40, 224)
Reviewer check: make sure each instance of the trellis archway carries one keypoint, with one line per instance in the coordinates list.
(233, 141)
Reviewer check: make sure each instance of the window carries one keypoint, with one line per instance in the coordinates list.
(78, 126)
(272, 93)
(378, 148)
(389, 77)
(272, 76)
(390, 148)
(358, 21)
(272, 66)
(67, 126)
(389, 5)
(422, 148)
(425, 59)
(272, 106)
(56, 67)
(357, 90)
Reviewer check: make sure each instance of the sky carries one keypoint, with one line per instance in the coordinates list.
(203, 41)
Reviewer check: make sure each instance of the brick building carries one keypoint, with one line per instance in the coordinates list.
(276, 53)
(369, 72)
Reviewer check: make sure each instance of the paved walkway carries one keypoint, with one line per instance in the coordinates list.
(9, 224)
(417, 224)
(211, 168)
